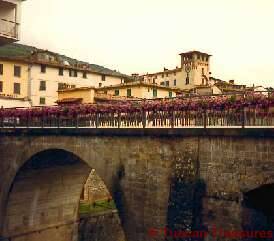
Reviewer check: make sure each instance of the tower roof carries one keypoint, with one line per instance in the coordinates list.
(194, 52)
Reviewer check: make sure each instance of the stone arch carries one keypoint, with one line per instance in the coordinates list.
(44, 195)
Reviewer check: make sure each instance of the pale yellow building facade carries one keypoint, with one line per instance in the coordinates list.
(40, 75)
(139, 90)
(83, 95)
(14, 77)
(194, 70)
(129, 91)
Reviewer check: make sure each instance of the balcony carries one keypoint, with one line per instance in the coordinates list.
(8, 31)
(9, 21)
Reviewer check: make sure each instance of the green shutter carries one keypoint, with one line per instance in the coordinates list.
(154, 92)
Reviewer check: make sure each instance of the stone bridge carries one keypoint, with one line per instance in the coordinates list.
(42, 172)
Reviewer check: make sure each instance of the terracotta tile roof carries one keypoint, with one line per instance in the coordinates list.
(69, 100)
(194, 52)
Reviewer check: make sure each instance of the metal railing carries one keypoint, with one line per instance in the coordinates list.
(242, 116)
(9, 28)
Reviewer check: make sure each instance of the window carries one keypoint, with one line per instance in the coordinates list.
(103, 77)
(100, 84)
(153, 81)
(167, 83)
(43, 68)
(73, 86)
(60, 86)
(170, 94)
(1, 69)
(116, 92)
(163, 75)
(154, 92)
(70, 72)
(128, 92)
(198, 56)
(75, 73)
(174, 82)
(17, 71)
(1, 86)
(166, 74)
(84, 75)
(174, 73)
(202, 70)
(42, 101)
(61, 71)
(16, 88)
(42, 85)
(162, 83)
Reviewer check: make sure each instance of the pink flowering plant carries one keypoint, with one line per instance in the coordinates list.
(133, 111)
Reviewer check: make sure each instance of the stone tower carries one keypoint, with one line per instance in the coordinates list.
(196, 68)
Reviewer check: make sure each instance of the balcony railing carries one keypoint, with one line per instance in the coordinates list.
(9, 28)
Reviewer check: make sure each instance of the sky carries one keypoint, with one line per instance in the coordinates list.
(140, 36)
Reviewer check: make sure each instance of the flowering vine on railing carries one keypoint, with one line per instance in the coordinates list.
(211, 110)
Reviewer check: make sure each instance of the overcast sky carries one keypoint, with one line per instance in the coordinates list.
(146, 35)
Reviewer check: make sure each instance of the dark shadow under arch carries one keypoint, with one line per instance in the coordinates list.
(43, 200)
(258, 210)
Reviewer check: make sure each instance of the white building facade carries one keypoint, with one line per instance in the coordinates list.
(46, 80)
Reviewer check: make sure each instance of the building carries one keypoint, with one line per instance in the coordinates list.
(81, 95)
(13, 84)
(227, 87)
(126, 91)
(37, 75)
(205, 90)
(193, 71)
(10, 19)
(94, 189)
(14, 102)
(139, 89)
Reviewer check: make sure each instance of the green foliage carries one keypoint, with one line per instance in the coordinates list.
(232, 98)
(98, 206)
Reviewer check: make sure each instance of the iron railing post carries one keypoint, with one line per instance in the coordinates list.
(205, 118)
(243, 117)
(97, 120)
(119, 119)
(172, 119)
(58, 121)
(144, 119)
(76, 122)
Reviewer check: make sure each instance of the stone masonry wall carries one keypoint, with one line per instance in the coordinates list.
(101, 227)
(95, 189)
(138, 172)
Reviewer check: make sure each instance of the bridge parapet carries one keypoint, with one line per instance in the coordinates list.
(228, 111)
